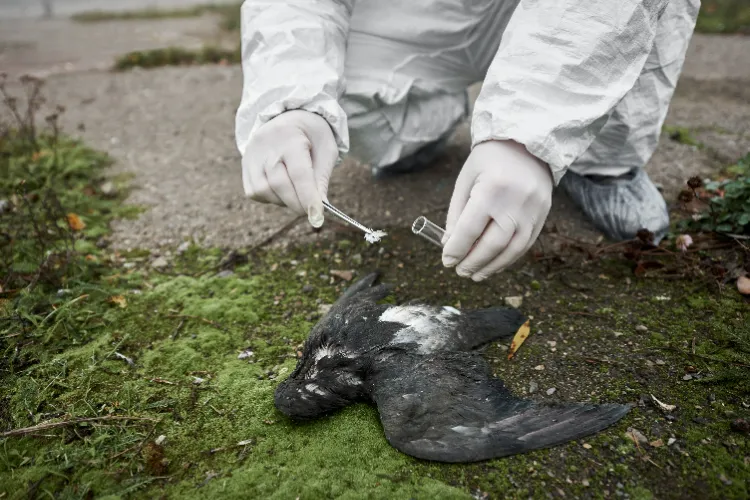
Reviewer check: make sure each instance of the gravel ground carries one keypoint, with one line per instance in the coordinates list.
(173, 129)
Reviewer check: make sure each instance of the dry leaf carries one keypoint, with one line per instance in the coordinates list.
(518, 339)
(587, 446)
(119, 300)
(75, 223)
(656, 444)
(663, 406)
(743, 285)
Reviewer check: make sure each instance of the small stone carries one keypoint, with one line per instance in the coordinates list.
(160, 440)
(533, 387)
(539, 368)
(308, 288)
(108, 188)
(671, 441)
(660, 362)
(618, 334)
(551, 343)
(183, 247)
(246, 354)
(636, 435)
(585, 482)
(514, 302)
(225, 273)
(324, 308)
(159, 263)
(641, 328)
(687, 377)
(587, 446)
(740, 425)
(551, 391)
(4, 206)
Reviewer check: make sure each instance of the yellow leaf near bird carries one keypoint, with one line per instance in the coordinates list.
(743, 285)
(518, 339)
(75, 223)
(119, 300)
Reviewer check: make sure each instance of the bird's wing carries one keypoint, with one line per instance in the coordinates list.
(448, 407)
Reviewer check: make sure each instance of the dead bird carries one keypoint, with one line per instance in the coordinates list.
(422, 366)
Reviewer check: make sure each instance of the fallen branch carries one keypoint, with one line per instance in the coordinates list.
(54, 425)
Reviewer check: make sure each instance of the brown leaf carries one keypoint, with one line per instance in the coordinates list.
(344, 275)
(743, 285)
(657, 444)
(118, 300)
(75, 223)
(518, 339)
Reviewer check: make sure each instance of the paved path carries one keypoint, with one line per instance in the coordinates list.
(173, 129)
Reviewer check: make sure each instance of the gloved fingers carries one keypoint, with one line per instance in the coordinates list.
(299, 166)
(281, 184)
(467, 230)
(256, 185)
(491, 244)
(512, 253)
(459, 199)
(324, 157)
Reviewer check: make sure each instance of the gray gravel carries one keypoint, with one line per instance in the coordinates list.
(173, 129)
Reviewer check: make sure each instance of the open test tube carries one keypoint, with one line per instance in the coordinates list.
(428, 230)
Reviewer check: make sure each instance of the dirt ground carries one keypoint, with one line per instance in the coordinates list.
(172, 128)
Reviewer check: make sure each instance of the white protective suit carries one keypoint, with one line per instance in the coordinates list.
(583, 85)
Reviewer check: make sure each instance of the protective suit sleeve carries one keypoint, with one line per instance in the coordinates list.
(293, 54)
(561, 68)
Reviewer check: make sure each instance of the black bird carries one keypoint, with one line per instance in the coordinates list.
(421, 365)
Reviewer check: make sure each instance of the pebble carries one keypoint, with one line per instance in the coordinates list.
(587, 446)
(641, 328)
(183, 247)
(618, 334)
(740, 425)
(308, 288)
(514, 302)
(671, 441)
(539, 368)
(661, 362)
(533, 387)
(160, 440)
(324, 308)
(4, 206)
(225, 273)
(551, 391)
(638, 435)
(585, 482)
(724, 479)
(687, 377)
(108, 188)
(159, 263)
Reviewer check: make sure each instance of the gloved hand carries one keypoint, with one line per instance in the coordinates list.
(288, 162)
(500, 202)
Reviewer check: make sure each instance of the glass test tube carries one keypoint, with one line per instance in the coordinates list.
(428, 230)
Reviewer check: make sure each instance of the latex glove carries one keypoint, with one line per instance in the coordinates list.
(288, 162)
(500, 202)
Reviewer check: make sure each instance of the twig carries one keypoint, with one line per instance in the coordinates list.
(205, 320)
(701, 356)
(54, 425)
(176, 331)
(286, 227)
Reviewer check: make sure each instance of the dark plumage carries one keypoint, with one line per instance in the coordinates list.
(421, 366)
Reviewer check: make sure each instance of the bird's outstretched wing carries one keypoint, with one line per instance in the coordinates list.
(448, 407)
